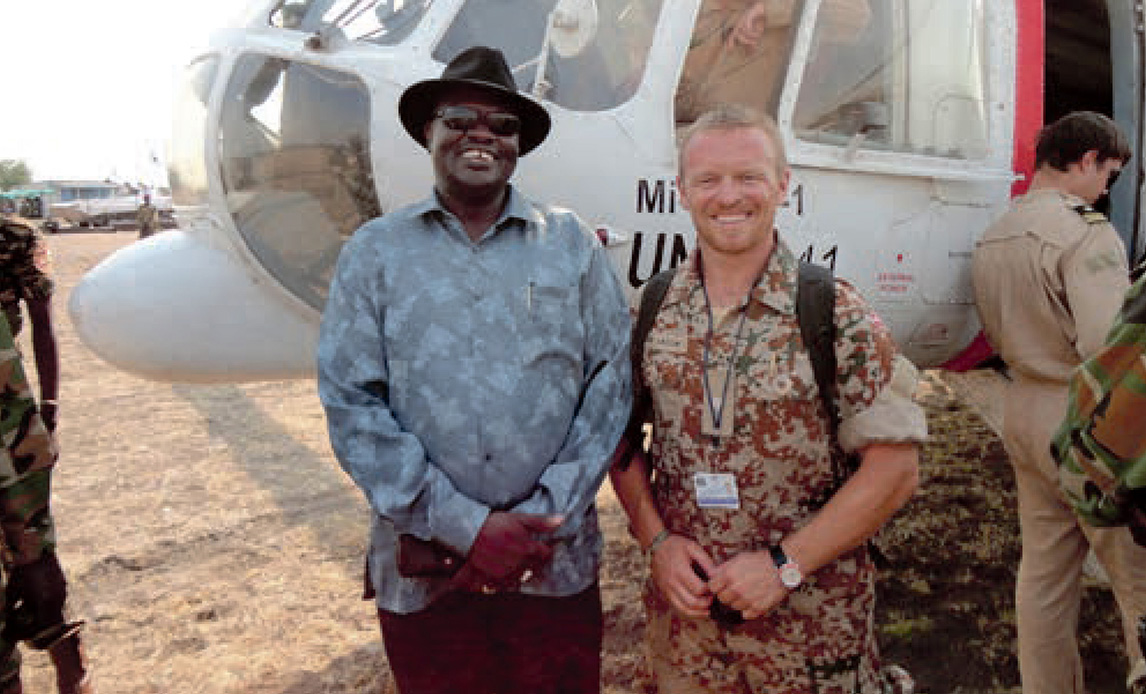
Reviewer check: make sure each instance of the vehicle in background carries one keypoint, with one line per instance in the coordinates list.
(99, 203)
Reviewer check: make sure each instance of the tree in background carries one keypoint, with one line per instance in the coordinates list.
(14, 172)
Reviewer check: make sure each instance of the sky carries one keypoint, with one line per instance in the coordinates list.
(92, 83)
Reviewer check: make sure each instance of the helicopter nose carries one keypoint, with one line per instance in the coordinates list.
(175, 308)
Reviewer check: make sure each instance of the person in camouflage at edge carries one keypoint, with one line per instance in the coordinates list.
(742, 492)
(35, 588)
(25, 276)
(1101, 445)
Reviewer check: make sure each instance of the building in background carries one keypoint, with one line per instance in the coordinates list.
(89, 203)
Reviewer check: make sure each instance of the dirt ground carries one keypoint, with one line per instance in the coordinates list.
(213, 544)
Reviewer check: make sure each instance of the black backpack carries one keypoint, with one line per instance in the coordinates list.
(815, 310)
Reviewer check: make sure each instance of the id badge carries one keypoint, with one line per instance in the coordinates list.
(716, 490)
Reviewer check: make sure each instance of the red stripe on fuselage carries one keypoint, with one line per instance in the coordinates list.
(1029, 86)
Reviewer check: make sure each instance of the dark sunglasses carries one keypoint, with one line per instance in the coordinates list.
(464, 118)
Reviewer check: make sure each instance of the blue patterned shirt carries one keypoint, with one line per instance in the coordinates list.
(460, 378)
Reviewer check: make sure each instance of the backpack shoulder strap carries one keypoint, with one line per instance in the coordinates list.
(815, 310)
(651, 300)
(816, 313)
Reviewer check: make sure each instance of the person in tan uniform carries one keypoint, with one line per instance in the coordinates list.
(1049, 278)
(739, 50)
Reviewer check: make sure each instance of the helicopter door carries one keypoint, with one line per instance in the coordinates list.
(1093, 63)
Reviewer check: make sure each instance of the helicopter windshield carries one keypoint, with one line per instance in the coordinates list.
(585, 55)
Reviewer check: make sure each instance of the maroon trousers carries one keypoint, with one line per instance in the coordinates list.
(505, 643)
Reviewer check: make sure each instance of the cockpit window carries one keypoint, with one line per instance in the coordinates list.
(584, 55)
(385, 22)
(295, 157)
(910, 78)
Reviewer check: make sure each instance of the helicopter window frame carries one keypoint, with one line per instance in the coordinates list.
(360, 20)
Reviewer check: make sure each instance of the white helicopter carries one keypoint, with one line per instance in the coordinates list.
(908, 123)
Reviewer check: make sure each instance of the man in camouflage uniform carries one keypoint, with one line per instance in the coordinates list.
(1101, 445)
(742, 487)
(25, 276)
(35, 589)
(1049, 276)
(148, 217)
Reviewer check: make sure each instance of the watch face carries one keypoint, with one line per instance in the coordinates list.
(790, 576)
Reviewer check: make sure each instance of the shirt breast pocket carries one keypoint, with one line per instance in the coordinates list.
(665, 361)
(783, 379)
(550, 323)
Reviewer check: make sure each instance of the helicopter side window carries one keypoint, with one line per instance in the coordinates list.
(911, 79)
(584, 55)
(740, 51)
(738, 54)
(296, 166)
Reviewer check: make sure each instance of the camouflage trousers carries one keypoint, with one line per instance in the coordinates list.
(697, 656)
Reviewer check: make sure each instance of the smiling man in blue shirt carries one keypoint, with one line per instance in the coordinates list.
(473, 364)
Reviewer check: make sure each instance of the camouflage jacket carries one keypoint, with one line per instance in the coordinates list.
(147, 215)
(768, 429)
(29, 452)
(1101, 445)
(25, 268)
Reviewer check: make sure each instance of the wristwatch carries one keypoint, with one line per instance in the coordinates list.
(790, 574)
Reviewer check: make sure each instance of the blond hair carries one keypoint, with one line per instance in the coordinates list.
(734, 117)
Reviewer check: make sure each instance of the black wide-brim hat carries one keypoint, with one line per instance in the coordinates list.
(485, 69)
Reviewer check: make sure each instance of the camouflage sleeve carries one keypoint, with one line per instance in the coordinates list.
(1101, 445)
(30, 262)
(29, 452)
(876, 384)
